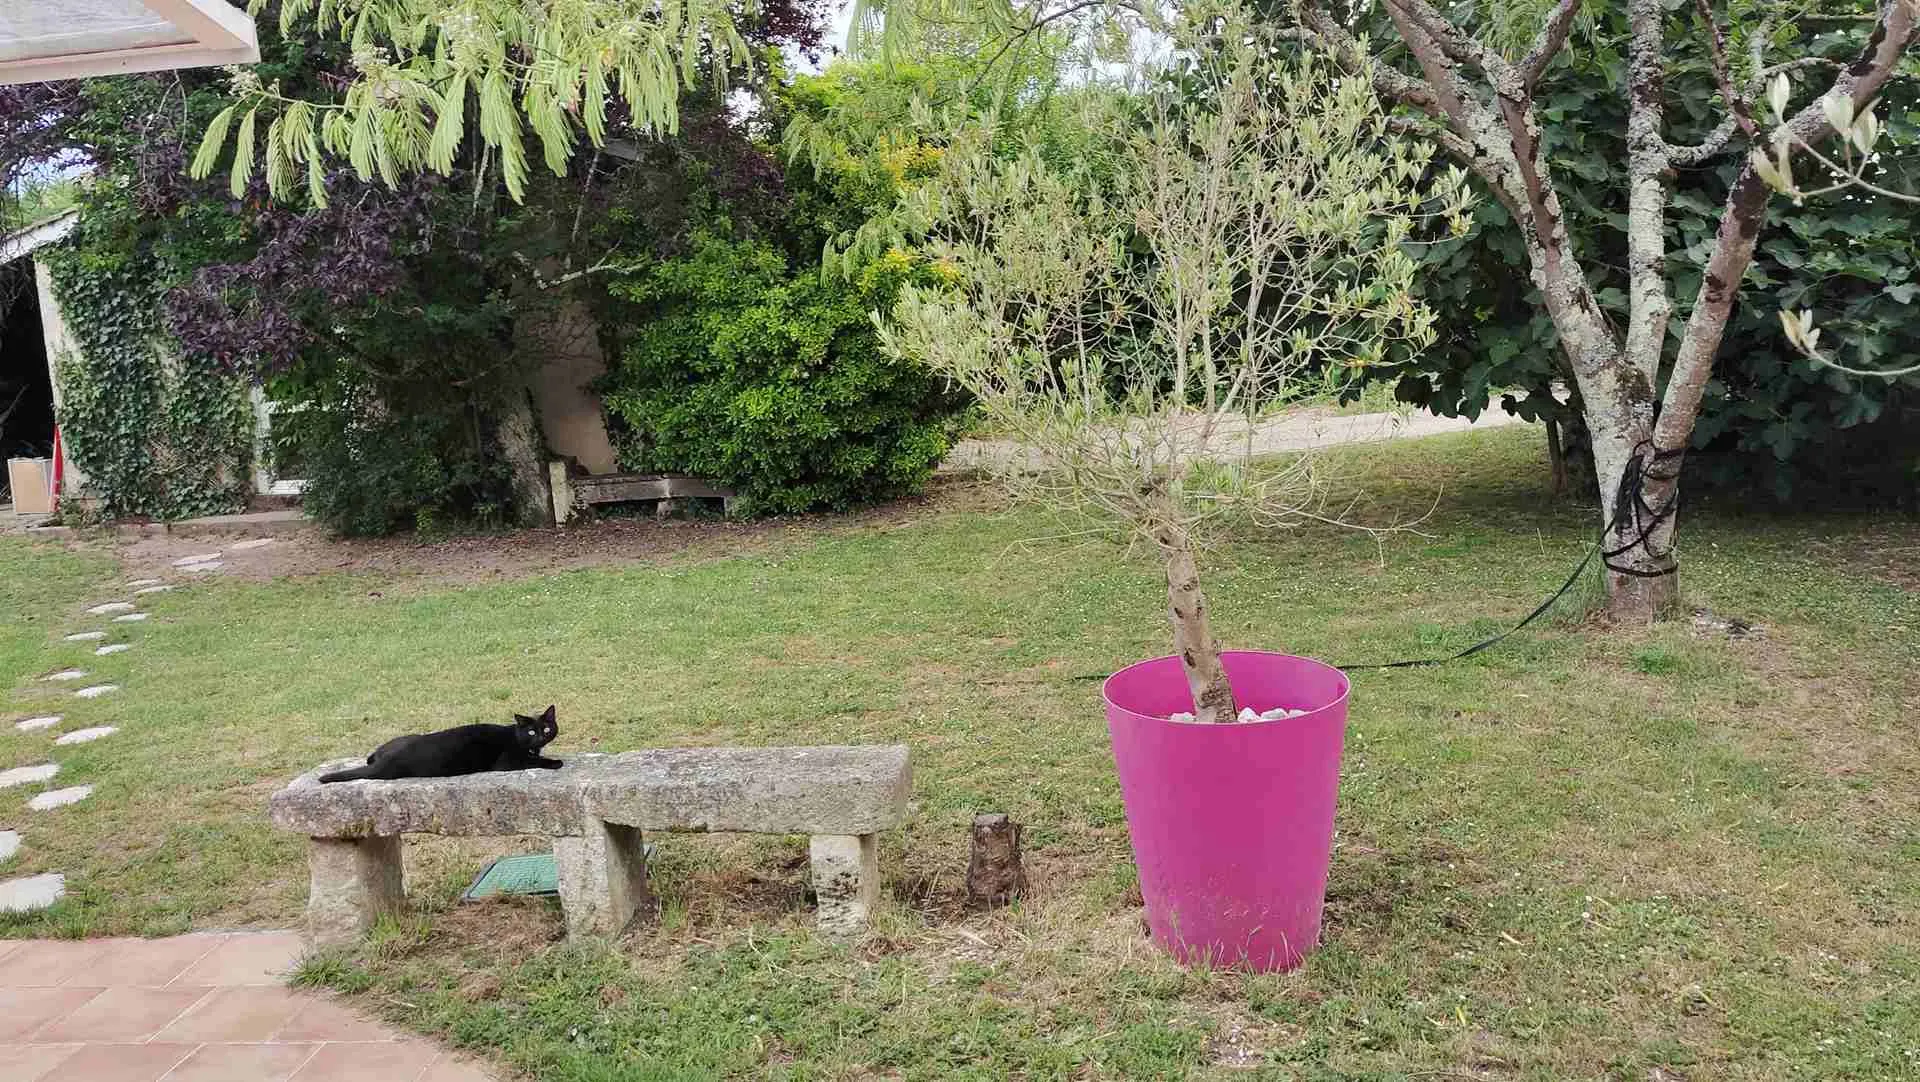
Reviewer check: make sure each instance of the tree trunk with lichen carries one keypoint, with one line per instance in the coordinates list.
(518, 436)
(1193, 638)
(1480, 108)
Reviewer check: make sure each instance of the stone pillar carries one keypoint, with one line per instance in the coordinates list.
(562, 488)
(846, 880)
(352, 882)
(603, 879)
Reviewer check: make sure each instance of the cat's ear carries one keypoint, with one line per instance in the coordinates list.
(548, 716)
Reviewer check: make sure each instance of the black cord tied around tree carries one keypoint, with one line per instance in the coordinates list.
(1629, 504)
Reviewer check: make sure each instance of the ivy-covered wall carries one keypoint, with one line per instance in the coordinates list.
(155, 432)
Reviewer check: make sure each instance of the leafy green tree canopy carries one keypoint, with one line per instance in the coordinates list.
(562, 68)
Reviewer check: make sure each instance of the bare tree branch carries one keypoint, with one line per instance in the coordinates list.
(1718, 139)
(1715, 142)
(1722, 73)
(1739, 232)
(1393, 85)
(1648, 301)
(1548, 43)
(1456, 45)
(1039, 23)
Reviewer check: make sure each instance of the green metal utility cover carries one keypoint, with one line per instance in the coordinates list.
(534, 873)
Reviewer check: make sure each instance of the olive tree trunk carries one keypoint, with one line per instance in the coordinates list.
(1193, 637)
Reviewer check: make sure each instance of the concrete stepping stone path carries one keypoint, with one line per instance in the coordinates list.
(246, 546)
(205, 568)
(31, 893)
(86, 736)
(27, 775)
(60, 798)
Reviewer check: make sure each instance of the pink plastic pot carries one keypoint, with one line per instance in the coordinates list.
(1232, 824)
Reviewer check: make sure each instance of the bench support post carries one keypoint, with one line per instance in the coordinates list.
(603, 879)
(846, 880)
(353, 881)
(560, 483)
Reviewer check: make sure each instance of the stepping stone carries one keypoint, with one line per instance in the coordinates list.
(203, 568)
(60, 798)
(27, 775)
(83, 736)
(97, 690)
(85, 636)
(189, 561)
(130, 618)
(110, 608)
(154, 590)
(66, 674)
(113, 648)
(256, 543)
(138, 583)
(33, 892)
(32, 724)
(9, 844)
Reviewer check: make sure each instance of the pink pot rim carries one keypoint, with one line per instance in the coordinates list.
(1346, 689)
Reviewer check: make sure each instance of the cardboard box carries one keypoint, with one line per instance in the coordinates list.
(32, 482)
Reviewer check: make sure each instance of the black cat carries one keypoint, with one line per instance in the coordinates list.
(468, 749)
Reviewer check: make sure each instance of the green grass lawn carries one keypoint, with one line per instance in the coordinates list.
(1636, 855)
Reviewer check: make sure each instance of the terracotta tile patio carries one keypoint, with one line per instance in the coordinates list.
(193, 1008)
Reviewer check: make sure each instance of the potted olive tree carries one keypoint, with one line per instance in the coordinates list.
(1130, 320)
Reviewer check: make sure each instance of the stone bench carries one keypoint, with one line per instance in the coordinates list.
(596, 808)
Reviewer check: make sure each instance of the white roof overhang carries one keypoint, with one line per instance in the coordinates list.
(45, 40)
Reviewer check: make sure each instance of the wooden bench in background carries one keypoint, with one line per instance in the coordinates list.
(596, 808)
(667, 491)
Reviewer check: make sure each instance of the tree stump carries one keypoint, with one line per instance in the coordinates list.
(994, 874)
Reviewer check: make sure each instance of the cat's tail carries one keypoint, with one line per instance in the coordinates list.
(356, 774)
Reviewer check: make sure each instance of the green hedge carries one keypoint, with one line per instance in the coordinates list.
(740, 368)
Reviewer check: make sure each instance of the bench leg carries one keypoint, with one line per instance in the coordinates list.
(846, 880)
(561, 487)
(603, 879)
(353, 881)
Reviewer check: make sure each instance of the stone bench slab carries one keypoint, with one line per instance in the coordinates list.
(597, 809)
(809, 790)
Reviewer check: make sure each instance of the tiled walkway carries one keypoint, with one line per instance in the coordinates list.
(194, 1008)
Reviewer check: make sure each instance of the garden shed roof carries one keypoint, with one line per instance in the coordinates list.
(24, 242)
(45, 40)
